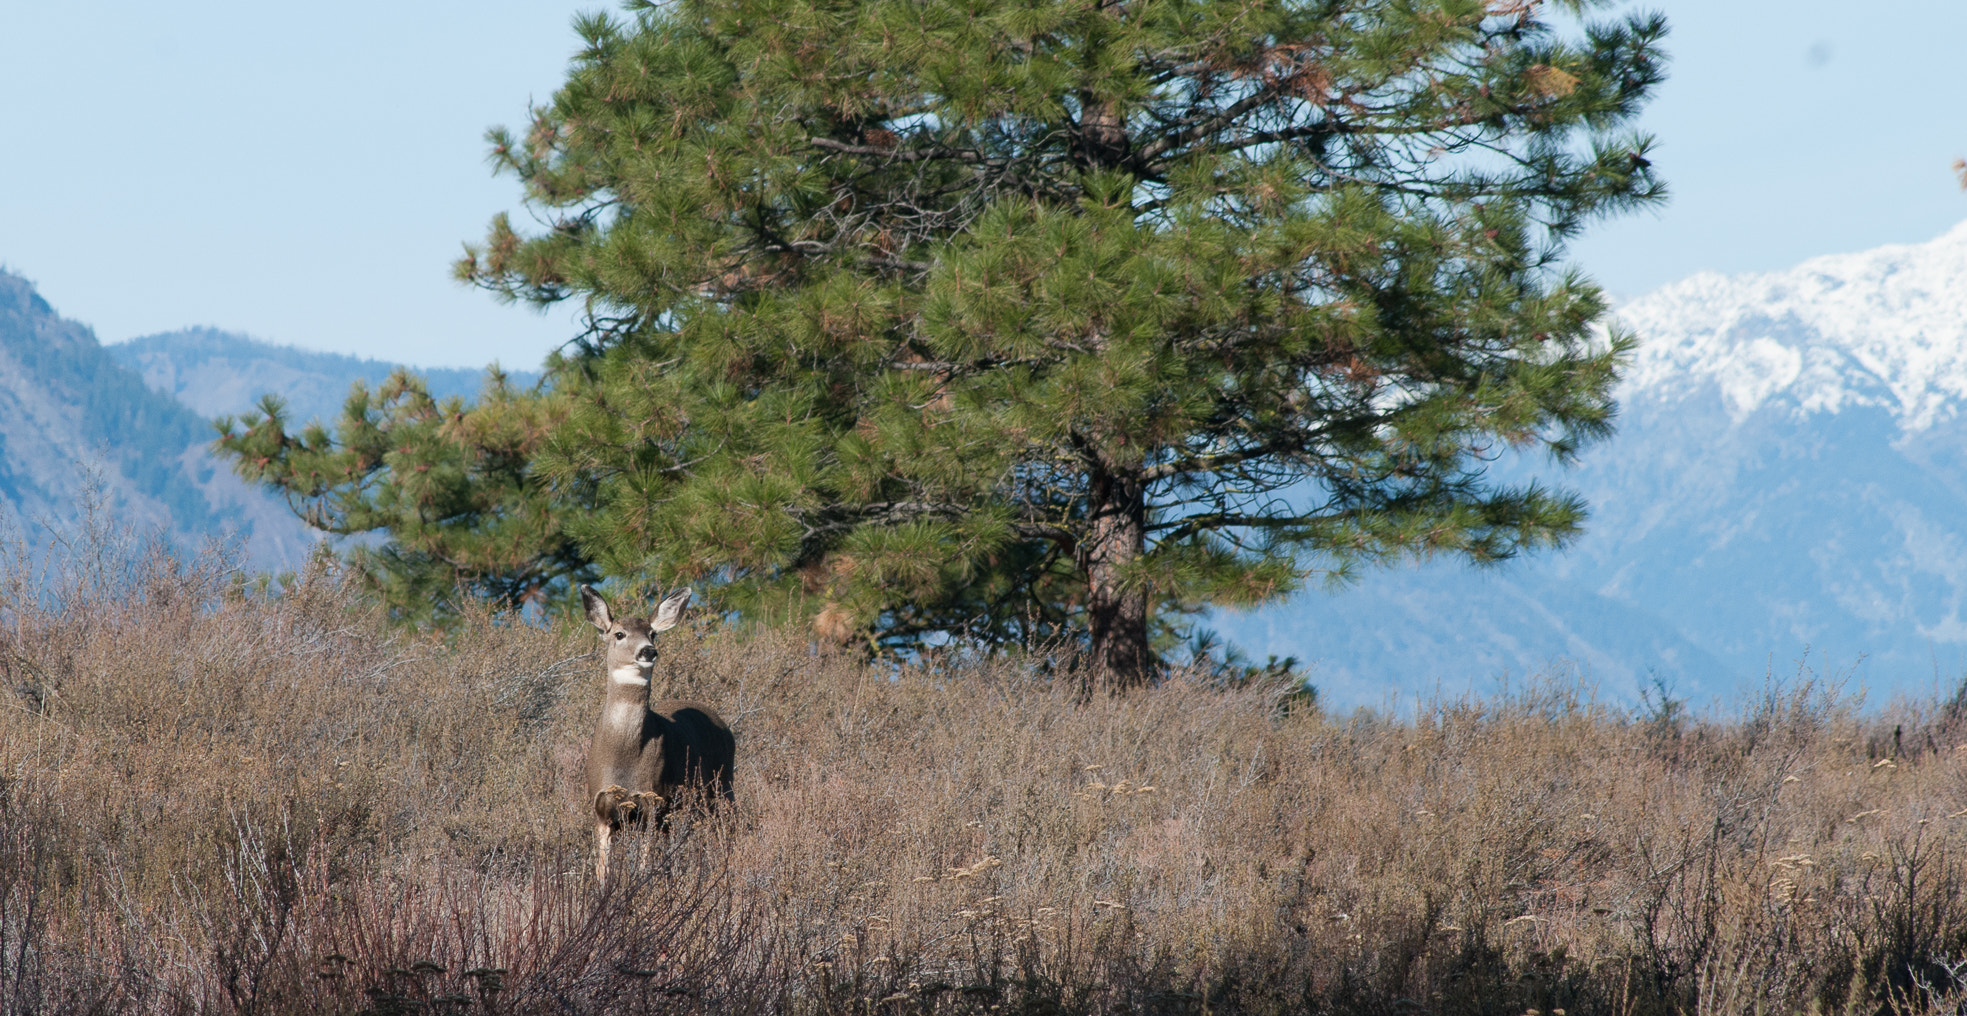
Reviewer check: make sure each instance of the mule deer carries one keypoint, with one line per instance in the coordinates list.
(644, 753)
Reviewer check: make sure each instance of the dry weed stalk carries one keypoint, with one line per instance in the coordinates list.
(215, 799)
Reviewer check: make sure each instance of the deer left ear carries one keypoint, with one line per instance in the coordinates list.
(670, 611)
(596, 607)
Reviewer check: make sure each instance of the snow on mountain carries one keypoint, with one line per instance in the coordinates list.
(1884, 327)
(1787, 490)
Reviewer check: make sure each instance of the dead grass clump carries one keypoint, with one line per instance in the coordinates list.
(219, 800)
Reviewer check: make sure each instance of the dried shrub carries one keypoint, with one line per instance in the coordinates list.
(217, 798)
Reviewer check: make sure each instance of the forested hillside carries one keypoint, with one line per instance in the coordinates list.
(64, 401)
(216, 372)
(69, 412)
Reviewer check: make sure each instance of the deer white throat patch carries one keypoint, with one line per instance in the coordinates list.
(625, 716)
(629, 674)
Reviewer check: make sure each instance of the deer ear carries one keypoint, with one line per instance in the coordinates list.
(597, 608)
(670, 611)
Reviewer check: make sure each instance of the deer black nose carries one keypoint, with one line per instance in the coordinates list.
(646, 654)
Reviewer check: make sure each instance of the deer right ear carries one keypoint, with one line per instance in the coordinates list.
(597, 608)
(670, 611)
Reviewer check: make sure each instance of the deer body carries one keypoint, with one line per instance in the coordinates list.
(646, 754)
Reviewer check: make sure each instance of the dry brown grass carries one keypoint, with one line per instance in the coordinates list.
(218, 800)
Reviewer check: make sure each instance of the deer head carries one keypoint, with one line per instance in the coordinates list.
(631, 641)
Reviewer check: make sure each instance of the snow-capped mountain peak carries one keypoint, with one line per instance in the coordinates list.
(1803, 540)
(1885, 327)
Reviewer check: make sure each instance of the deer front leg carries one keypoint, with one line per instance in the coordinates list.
(612, 805)
(653, 809)
(615, 805)
(651, 805)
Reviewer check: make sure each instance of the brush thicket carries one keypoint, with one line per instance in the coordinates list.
(215, 799)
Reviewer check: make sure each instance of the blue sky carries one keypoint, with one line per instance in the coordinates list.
(306, 173)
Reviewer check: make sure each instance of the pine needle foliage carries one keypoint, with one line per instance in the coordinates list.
(1017, 320)
(451, 485)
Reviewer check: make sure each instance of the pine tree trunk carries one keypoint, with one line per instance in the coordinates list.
(1116, 611)
(1103, 137)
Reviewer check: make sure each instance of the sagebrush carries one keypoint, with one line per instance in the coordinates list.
(222, 797)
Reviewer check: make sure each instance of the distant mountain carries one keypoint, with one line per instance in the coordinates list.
(220, 373)
(68, 409)
(1789, 477)
(1789, 481)
(139, 413)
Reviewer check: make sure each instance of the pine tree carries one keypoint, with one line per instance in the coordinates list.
(1009, 320)
(451, 486)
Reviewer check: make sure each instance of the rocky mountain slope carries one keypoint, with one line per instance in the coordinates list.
(137, 415)
(1789, 483)
(70, 416)
(217, 373)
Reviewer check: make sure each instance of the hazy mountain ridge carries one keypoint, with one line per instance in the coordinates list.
(220, 373)
(140, 415)
(68, 409)
(1789, 478)
(62, 397)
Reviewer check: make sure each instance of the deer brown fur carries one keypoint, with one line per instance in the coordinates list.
(645, 754)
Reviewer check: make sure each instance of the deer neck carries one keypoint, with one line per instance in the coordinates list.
(628, 696)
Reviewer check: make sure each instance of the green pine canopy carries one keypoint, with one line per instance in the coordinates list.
(999, 321)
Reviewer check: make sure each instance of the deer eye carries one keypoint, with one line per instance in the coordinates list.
(620, 635)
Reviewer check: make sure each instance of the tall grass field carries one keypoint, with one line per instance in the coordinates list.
(216, 798)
